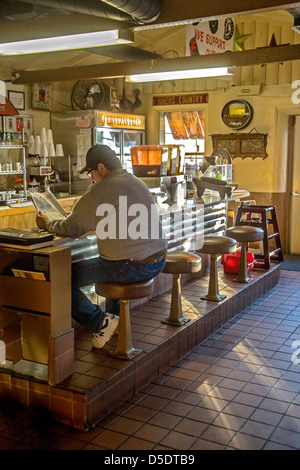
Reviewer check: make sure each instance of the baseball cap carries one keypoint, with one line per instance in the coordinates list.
(99, 153)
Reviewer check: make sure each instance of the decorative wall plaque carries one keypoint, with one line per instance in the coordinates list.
(237, 114)
(241, 145)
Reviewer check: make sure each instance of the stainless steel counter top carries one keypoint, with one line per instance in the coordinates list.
(196, 218)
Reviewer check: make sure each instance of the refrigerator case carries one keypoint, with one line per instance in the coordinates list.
(77, 131)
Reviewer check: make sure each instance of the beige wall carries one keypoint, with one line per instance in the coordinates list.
(271, 106)
(271, 109)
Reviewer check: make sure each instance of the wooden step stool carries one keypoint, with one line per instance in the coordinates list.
(262, 217)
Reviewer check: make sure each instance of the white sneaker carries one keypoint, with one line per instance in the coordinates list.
(110, 326)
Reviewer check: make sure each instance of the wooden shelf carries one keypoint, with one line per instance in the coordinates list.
(241, 145)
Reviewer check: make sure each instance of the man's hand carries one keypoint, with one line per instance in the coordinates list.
(41, 220)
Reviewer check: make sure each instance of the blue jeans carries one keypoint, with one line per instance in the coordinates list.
(101, 270)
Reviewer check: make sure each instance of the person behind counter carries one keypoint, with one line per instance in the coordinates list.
(122, 258)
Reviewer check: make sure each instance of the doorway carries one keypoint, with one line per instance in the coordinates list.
(294, 239)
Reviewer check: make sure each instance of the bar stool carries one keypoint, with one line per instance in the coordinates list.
(244, 234)
(125, 292)
(214, 246)
(178, 263)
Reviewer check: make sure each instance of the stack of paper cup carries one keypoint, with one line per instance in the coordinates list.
(31, 145)
(51, 151)
(37, 145)
(59, 150)
(43, 135)
(49, 136)
(44, 151)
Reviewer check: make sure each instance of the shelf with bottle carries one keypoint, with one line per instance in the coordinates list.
(11, 139)
(15, 168)
(11, 196)
(12, 172)
(11, 146)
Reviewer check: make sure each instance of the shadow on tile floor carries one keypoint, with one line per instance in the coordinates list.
(238, 389)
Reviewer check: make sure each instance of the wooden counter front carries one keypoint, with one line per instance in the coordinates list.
(43, 308)
(24, 217)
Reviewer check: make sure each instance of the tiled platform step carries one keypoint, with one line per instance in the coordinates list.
(101, 383)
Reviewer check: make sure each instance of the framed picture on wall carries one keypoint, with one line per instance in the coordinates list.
(17, 99)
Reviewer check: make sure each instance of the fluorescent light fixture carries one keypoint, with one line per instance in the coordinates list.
(72, 41)
(181, 74)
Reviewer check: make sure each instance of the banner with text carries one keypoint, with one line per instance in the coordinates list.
(209, 37)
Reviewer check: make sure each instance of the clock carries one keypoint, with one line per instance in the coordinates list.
(237, 114)
(41, 96)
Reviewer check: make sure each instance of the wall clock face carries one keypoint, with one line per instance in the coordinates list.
(237, 114)
(41, 96)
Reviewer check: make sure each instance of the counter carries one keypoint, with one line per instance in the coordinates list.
(196, 218)
(202, 216)
(23, 217)
(37, 324)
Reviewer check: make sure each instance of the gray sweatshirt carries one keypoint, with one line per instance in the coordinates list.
(121, 211)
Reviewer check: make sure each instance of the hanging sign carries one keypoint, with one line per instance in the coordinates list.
(180, 99)
(209, 37)
(7, 109)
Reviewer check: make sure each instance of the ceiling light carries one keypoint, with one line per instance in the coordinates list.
(181, 74)
(73, 41)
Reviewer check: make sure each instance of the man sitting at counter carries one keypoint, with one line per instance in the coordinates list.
(130, 248)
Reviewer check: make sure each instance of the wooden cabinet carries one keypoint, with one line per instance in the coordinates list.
(43, 307)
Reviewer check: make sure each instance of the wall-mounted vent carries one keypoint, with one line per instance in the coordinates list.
(252, 90)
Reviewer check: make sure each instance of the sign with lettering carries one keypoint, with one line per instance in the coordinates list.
(123, 121)
(171, 100)
(209, 37)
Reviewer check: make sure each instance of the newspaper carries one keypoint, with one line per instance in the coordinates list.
(47, 203)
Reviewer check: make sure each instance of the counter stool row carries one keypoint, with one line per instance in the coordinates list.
(178, 263)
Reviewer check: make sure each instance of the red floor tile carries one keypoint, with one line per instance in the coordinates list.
(238, 390)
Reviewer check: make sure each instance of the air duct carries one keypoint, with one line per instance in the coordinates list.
(144, 11)
(16, 11)
(134, 11)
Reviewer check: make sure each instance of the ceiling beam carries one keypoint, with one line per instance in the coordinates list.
(56, 26)
(175, 12)
(259, 56)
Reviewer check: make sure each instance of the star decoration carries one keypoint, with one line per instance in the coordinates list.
(238, 39)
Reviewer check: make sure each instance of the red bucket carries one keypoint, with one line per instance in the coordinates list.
(231, 262)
